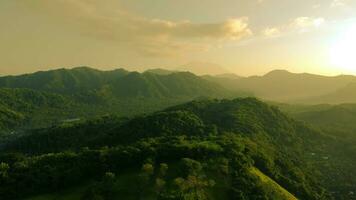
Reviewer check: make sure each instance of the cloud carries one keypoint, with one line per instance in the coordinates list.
(338, 3)
(271, 32)
(307, 22)
(110, 21)
(299, 24)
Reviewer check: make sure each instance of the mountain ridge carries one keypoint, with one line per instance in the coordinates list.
(87, 91)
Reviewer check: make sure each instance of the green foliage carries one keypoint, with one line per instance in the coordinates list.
(104, 189)
(198, 150)
(333, 156)
(59, 96)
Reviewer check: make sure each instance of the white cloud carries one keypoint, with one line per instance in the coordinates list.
(271, 32)
(307, 22)
(299, 24)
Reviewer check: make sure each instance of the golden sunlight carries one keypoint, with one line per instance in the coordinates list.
(343, 50)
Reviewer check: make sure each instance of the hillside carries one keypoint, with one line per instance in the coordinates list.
(8, 118)
(337, 120)
(161, 71)
(84, 81)
(26, 108)
(63, 80)
(211, 149)
(53, 96)
(284, 86)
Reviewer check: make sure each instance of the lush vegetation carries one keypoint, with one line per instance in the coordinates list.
(212, 149)
(335, 158)
(89, 134)
(45, 98)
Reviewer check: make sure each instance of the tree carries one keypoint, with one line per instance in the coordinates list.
(4, 168)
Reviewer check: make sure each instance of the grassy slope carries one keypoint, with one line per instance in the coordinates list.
(275, 188)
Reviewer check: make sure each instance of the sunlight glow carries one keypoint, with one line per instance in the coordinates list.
(343, 51)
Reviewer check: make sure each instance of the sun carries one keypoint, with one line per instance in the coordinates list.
(343, 51)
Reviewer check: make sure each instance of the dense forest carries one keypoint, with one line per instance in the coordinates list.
(184, 152)
(241, 148)
(88, 134)
(45, 98)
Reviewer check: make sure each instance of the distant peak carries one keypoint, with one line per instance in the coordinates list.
(160, 71)
(83, 68)
(229, 76)
(278, 72)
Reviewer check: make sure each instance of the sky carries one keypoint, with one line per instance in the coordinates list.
(246, 37)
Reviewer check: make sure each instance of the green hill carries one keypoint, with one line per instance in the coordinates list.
(8, 118)
(27, 108)
(84, 81)
(199, 150)
(45, 98)
(63, 80)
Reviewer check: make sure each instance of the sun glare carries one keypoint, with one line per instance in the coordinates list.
(343, 51)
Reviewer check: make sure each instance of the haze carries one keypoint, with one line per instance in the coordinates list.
(245, 37)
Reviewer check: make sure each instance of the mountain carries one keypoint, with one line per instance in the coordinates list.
(44, 98)
(161, 71)
(63, 81)
(182, 84)
(229, 76)
(210, 149)
(284, 86)
(84, 80)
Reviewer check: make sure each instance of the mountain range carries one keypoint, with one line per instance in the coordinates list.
(81, 132)
(284, 86)
(81, 92)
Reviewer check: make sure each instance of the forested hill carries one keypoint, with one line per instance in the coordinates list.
(43, 98)
(210, 149)
(20, 108)
(116, 83)
(66, 81)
